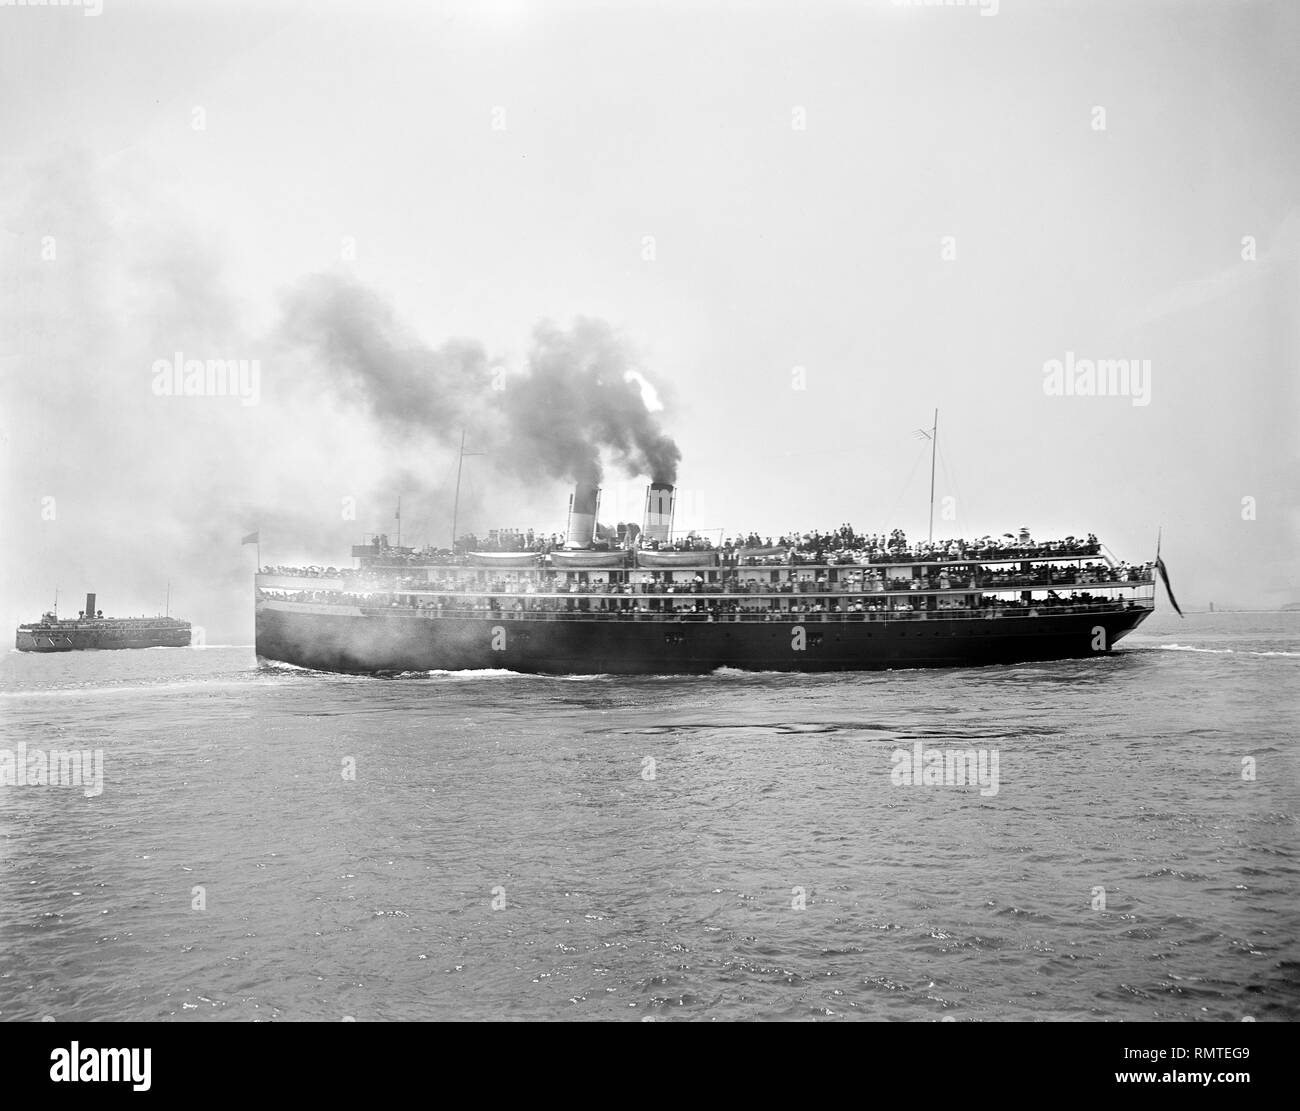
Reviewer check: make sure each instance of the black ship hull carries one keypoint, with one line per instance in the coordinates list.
(339, 639)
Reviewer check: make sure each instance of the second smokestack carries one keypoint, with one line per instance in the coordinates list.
(660, 500)
(583, 507)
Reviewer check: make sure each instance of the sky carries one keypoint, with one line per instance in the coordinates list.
(804, 227)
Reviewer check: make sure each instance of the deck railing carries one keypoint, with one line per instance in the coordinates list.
(931, 585)
(736, 558)
(783, 617)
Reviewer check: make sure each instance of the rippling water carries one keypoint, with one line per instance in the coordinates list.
(765, 866)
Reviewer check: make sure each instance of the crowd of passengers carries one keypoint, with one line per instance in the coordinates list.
(871, 581)
(841, 545)
(515, 540)
(506, 607)
(845, 545)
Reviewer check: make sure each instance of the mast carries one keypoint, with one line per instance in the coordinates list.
(399, 520)
(455, 507)
(934, 447)
(167, 611)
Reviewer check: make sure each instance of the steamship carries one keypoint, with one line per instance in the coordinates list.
(92, 630)
(641, 604)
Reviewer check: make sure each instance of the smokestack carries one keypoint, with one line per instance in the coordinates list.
(582, 515)
(660, 500)
(90, 605)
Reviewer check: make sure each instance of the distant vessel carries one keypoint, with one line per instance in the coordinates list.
(90, 629)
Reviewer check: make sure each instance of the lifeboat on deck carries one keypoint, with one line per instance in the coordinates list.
(585, 559)
(503, 560)
(667, 561)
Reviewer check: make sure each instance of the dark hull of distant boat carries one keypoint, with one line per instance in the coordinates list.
(386, 642)
(102, 633)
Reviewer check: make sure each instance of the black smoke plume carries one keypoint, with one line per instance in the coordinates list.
(574, 401)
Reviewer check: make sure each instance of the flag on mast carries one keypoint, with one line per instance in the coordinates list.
(252, 538)
(1164, 576)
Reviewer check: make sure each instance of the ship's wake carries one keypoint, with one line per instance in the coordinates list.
(1206, 651)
